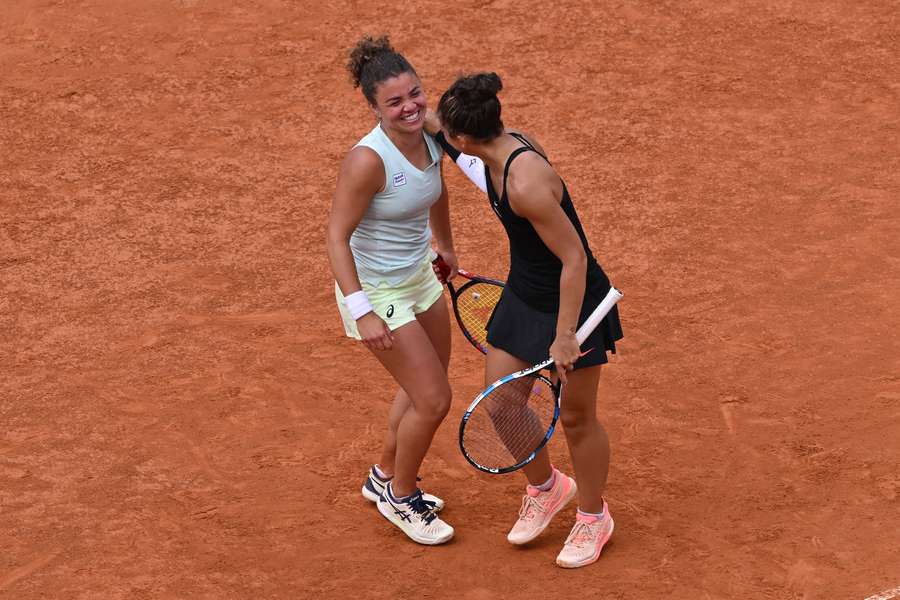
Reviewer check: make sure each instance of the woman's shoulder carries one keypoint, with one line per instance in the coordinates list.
(529, 173)
(529, 170)
(363, 157)
(364, 164)
(530, 138)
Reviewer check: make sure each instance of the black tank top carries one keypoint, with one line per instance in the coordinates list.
(534, 270)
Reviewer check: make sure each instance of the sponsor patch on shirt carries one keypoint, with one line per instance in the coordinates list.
(399, 179)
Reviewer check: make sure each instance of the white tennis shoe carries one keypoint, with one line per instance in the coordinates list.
(414, 516)
(374, 486)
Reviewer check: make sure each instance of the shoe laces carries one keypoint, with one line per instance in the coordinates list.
(431, 503)
(530, 507)
(422, 507)
(582, 534)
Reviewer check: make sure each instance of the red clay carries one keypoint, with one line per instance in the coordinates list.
(181, 416)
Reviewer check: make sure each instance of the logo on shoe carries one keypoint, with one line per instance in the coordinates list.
(403, 515)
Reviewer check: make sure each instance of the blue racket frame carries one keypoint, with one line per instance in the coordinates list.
(534, 373)
(612, 297)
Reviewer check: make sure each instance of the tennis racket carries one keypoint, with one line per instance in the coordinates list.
(473, 303)
(509, 422)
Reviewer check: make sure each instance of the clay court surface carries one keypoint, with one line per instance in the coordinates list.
(181, 416)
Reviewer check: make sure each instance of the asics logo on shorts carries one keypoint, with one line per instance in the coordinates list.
(390, 311)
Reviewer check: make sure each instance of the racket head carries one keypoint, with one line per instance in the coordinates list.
(510, 422)
(473, 305)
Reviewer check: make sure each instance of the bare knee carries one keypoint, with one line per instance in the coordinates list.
(434, 404)
(577, 422)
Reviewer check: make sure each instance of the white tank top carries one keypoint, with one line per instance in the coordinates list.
(393, 238)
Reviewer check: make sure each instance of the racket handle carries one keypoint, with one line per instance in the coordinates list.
(444, 268)
(612, 296)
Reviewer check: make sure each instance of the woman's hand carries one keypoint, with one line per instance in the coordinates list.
(445, 266)
(432, 122)
(374, 332)
(564, 351)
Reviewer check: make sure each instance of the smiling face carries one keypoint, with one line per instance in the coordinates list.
(400, 103)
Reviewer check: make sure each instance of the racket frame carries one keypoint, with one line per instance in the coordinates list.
(586, 329)
(455, 293)
(533, 372)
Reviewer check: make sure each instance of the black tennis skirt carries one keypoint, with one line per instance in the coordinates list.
(527, 333)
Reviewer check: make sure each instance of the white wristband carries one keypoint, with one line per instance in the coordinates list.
(358, 304)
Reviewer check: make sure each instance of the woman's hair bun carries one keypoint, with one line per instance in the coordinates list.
(470, 106)
(477, 89)
(365, 50)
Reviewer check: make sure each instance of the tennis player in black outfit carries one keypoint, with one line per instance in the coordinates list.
(553, 284)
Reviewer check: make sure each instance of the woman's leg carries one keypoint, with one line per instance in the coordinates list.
(416, 364)
(389, 449)
(436, 323)
(588, 441)
(500, 363)
(550, 490)
(589, 447)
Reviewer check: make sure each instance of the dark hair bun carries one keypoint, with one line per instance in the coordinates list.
(470, 106)
(477, 89)
(365, 50)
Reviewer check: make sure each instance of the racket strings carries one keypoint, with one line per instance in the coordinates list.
(510, 422)
(475, 305)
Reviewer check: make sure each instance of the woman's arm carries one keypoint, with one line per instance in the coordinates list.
(440, 227)
(534, 191)
(471, 166)
(361, 177)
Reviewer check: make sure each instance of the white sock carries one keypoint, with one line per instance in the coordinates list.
(599, 515)
(380, 473)
(545, 487)
(390, 489)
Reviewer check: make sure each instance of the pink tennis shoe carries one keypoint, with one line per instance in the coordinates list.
(586, 541)
(538, 508)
